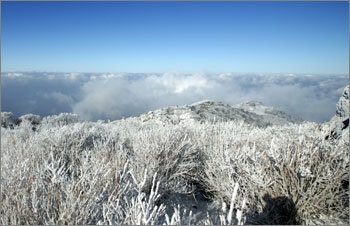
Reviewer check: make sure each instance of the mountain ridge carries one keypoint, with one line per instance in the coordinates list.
(216, 111)
(250, 112)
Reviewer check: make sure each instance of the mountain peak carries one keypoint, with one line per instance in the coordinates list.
(251, 112)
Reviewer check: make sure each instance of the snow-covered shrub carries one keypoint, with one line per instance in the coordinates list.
(170, 153)
(7, 119)
(292, 162)
(60, 120)
(73, 172)
(33, 119)
(61, 181)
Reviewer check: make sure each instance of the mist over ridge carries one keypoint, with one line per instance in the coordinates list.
(113, 96)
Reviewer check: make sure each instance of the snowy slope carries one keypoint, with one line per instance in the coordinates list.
(269, 114)
(251, 112)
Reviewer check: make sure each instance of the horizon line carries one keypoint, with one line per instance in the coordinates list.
(174, 71)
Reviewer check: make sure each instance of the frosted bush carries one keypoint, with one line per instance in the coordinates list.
(298, 165)
(170, 153)
(60, 120)
(33, 119)
(7, 119)
(73, 172)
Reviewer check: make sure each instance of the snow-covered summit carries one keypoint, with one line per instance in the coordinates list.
(251, 112)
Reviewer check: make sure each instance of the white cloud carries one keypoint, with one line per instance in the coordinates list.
(59, 98)
(71, 76)
(122, 96)
(178, 83)
(16, 75)
(116, 95)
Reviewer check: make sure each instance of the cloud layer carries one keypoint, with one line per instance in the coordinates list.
(113, 96)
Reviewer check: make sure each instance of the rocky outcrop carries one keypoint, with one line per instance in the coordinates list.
(338, 126)
(337, 129)
(343, 104)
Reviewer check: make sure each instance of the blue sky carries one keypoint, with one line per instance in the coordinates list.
(255, 37)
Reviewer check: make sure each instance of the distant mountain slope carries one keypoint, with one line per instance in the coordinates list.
(250, 112)
(269, 114)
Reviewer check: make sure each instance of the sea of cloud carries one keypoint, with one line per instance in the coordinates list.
(116, 95)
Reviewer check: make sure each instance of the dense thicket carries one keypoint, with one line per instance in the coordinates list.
(64, 171)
